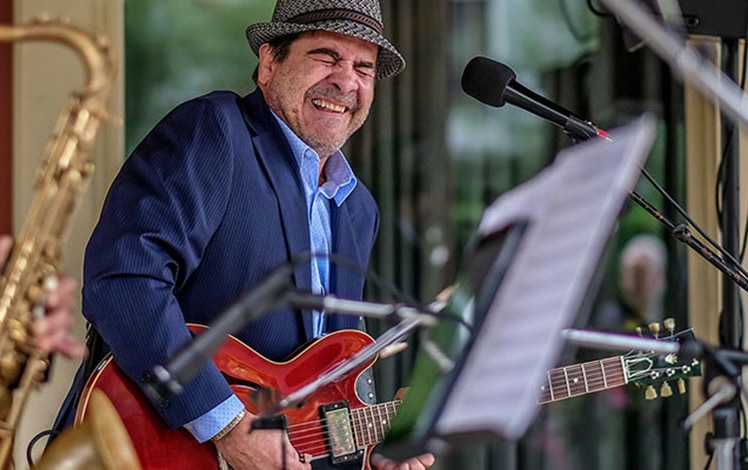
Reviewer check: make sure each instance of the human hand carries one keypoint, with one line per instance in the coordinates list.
(379, 462)
(259, 449)
(53, 332)
(420, 462)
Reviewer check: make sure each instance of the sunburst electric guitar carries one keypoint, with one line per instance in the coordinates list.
(335, 423)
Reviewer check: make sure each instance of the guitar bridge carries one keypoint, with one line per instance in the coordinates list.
(341, 441)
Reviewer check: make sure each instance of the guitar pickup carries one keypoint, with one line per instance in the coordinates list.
(341, 440)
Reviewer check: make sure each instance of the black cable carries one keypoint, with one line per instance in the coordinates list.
(709, 461)
(742, 87)
(743, 418)
(34, 440)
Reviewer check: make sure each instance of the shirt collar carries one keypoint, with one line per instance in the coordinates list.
(340, 179)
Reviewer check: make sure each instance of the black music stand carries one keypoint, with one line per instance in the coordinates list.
(532, 271)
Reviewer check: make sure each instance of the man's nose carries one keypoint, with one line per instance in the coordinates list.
(345, 76)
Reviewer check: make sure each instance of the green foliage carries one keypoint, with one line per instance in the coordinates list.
(178, 49)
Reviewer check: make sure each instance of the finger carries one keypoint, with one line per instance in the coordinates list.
(298, 464)
(71, 348)
(380, 462)
(53, 333)
(401, 392)
(58, 322)
(48, 337)
(426, 460)
(294, 460)
(63, 293)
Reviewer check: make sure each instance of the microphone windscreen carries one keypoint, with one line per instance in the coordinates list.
(486, 80)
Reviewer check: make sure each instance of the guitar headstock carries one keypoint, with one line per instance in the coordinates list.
(650, 370)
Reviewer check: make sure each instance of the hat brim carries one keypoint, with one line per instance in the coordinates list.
(389, 62)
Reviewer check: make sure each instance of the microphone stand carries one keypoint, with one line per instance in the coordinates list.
(686, 62)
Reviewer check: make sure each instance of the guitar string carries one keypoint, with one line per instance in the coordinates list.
(315, 447)
(359, 423)
(590, 379)
(596, 379)
(355, 413)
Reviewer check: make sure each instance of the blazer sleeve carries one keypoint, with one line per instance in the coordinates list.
(157, 220)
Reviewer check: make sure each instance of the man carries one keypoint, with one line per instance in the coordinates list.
(223, 191)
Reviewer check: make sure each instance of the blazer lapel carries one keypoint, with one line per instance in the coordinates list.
(344, 283)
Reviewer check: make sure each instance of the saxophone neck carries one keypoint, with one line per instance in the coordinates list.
(94, 50)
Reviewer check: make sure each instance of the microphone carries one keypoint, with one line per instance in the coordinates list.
(495, 84)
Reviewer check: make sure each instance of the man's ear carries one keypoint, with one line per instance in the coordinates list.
(267, 62)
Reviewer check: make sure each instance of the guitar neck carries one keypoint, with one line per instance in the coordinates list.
(371, 423)
(581, 379)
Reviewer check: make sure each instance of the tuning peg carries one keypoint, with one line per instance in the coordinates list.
(669, 324)
(665, 390)
(681, 386)
(639, 331)
(650, 393)
(654, 328)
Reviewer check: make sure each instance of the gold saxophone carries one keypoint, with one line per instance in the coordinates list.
(34, 262)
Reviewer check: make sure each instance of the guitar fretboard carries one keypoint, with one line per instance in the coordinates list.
(580, 379)
(371, 423)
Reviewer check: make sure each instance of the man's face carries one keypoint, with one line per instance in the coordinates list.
(323, 89)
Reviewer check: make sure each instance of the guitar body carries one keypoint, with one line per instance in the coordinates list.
(159, 447)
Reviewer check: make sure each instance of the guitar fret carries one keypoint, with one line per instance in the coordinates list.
(374, 427)
(364, 430)
(382, 423)
(559, 384)
(575, 379)
(596, 372)
(357, 428)
(566, 380)
(375, 422)
(616, 377)
(584, 374)
(605, 379)
(369, 426)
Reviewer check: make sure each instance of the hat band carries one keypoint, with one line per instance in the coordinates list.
(338, 14)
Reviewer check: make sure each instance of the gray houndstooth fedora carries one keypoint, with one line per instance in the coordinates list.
(358, 18)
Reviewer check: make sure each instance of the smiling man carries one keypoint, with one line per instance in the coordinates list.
(223, 191)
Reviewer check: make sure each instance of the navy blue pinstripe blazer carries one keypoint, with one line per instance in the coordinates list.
(209, 204)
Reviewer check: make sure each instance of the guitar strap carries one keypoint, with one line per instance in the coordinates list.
(97, 349)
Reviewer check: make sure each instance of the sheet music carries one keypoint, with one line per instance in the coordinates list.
(572, 207)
